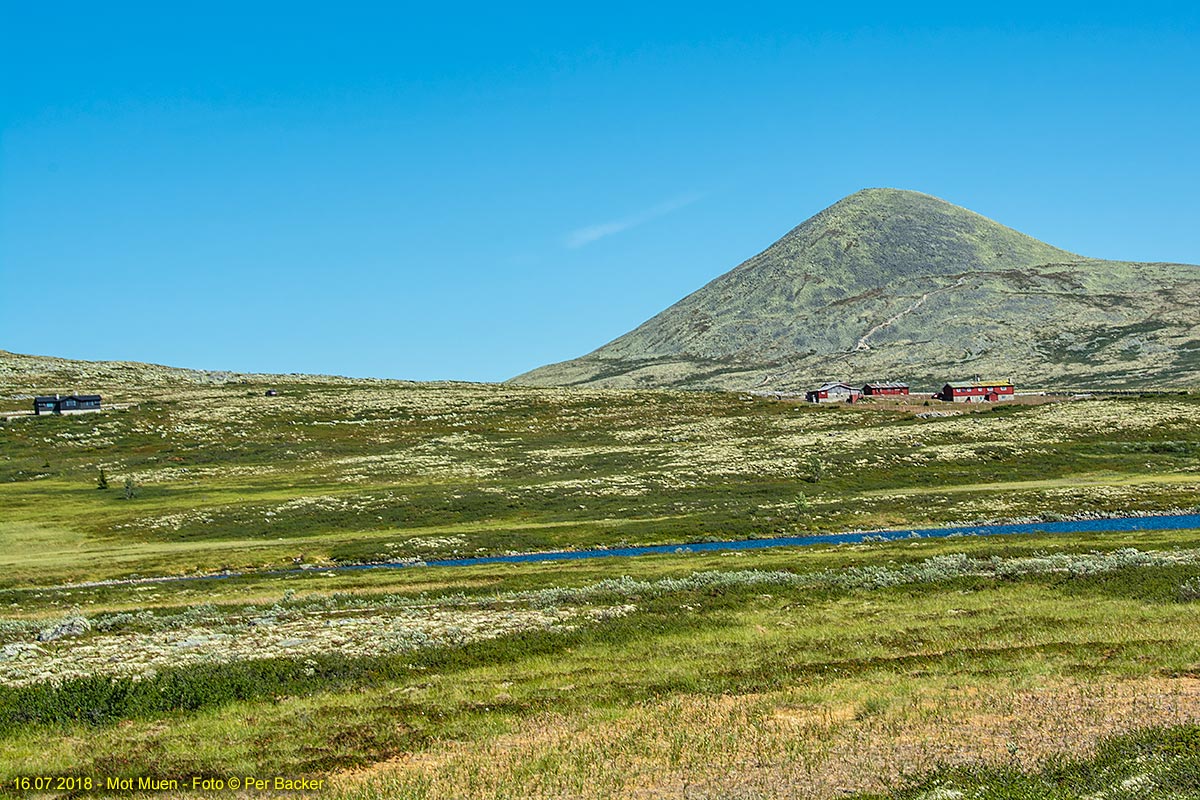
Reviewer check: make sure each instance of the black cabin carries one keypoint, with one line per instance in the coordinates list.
(72, 402)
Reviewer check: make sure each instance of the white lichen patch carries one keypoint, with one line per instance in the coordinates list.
(429, 543)
(141, 654)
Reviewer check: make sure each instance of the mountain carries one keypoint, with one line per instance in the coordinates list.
(897, 285)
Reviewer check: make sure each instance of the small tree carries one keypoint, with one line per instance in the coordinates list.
(802, 505)
(131, 489)
(816, 470)
(102, 481)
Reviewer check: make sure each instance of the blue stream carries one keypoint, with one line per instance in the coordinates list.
(1176, 522)
(1120, 524)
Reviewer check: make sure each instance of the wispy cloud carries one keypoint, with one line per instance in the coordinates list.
(583, 236)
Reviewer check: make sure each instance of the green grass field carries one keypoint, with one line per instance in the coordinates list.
(1023, 666)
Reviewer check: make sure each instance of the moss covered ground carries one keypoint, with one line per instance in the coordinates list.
(911, 667)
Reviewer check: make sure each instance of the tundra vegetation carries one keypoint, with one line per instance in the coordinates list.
(1044, 665)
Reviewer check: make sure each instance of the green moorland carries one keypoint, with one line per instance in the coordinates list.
(1022, 666)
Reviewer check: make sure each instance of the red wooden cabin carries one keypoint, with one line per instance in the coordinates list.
(889, 388)
(977, 392)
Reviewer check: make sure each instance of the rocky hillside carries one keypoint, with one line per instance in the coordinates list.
(890, 284)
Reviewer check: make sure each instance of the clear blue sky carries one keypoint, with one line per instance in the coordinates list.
(389, 190)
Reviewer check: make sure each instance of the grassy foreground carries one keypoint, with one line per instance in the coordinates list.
(999, 667)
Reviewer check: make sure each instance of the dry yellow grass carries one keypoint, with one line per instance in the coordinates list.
(808, 743)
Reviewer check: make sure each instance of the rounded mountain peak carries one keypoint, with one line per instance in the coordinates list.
(883, 200)
(875, 235)
(883, 193)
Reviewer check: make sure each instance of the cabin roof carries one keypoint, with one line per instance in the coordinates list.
(54, 398)
(887, 385)
(974, 384)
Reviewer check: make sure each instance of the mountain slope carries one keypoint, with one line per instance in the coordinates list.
(890, 284)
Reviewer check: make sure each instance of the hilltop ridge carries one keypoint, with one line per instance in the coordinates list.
(889, 283)
(22, 375)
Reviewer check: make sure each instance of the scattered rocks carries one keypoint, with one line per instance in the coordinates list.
(72, 626)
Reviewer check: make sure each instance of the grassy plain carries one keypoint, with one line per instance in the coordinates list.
(993, 667)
